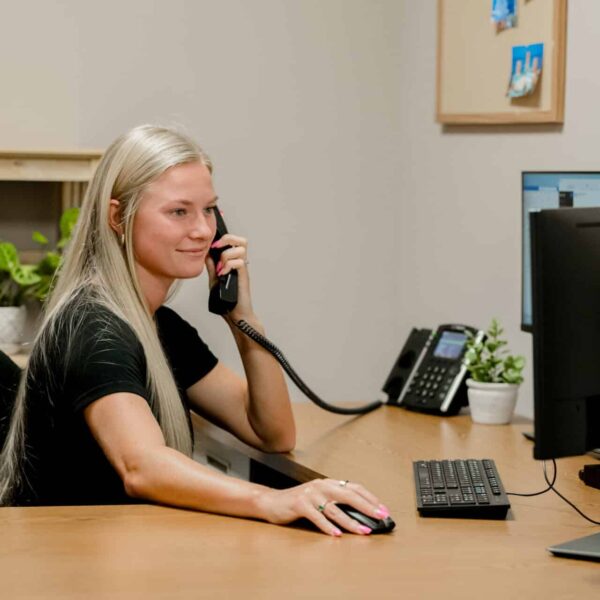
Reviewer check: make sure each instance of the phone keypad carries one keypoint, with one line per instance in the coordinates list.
(432, 382)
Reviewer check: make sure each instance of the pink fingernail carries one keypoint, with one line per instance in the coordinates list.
(382, 514)
(215, 244)
(335, 531)
(364, 530)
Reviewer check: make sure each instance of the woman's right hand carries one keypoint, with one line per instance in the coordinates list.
(316, 501)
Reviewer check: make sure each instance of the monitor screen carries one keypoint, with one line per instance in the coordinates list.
(550, 189)
(566, 331)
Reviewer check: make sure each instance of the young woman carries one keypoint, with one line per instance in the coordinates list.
(102, 413)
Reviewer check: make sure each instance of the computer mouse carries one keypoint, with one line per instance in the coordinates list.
(375, 525)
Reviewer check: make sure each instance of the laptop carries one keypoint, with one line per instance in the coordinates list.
(585, 548)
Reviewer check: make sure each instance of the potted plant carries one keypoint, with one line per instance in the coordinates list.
(495, 377)
(15, 279)
(20, 282)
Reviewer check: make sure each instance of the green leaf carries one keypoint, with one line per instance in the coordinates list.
(495, 330)
(25, 275)
(9, 257)
(471, 355)
(512, 376)
(39, 238)
(519, 362)
(49, 264)
(67, 224)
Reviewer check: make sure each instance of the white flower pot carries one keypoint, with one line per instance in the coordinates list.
(492, 403)
(12, 328)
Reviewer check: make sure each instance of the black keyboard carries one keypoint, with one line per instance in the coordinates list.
(467, 489)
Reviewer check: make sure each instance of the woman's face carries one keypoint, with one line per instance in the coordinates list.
(174, 225)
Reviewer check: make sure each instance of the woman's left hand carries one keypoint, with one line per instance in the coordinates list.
(233, 258)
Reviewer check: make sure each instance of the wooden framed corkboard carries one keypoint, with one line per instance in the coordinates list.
(474, 63)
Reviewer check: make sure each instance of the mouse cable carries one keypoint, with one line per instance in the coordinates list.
(551, 487)
(261, 340)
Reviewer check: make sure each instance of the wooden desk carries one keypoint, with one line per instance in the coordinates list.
(155, 552)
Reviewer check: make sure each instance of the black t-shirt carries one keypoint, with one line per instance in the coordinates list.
(64, 463)
(10, 375)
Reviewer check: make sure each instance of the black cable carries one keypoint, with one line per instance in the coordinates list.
(565, 499)
(551, 487)
(260, 339)
(550, 484)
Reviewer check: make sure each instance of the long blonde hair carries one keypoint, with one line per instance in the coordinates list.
(100, 266)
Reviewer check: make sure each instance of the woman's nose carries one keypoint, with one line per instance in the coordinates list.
(202, 228)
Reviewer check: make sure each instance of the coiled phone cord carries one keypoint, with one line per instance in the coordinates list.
(260, 339)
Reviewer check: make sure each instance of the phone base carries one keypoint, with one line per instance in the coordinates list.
(452, 411)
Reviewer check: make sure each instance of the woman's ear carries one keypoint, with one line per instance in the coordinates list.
(114, 216)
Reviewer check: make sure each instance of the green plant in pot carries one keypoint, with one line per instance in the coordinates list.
(495, 377)
(15, 280)
(22, 282)
(47, 267)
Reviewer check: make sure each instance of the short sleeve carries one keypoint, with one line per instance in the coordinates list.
(189, 357)
(104, 357)
(10, 375)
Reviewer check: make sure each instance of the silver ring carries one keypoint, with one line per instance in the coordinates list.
(344, 483)
(321, 508)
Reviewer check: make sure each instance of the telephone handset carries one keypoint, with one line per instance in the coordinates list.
(430, 373)
(224, 294)
(223, 299)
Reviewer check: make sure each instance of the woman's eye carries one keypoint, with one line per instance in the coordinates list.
(179, 212)
(209, 210)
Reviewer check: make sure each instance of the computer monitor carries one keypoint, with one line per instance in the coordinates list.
(550, 189)
(565, 246)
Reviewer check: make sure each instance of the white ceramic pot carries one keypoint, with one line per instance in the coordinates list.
(12, 328)
(492, 403)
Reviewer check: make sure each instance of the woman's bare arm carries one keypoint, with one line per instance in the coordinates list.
(132, 440)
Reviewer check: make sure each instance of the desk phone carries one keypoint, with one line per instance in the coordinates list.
(430, 373)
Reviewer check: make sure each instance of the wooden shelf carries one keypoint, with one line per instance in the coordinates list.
(48, 165)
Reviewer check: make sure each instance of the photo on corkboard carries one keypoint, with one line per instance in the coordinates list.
(526, 70)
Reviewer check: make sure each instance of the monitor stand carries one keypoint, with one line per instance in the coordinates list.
(585, 548)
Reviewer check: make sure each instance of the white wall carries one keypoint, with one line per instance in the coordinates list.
(297, 102)
(460, 219)
(365, 217)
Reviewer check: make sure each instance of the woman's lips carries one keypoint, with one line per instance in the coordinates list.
(194, 251)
